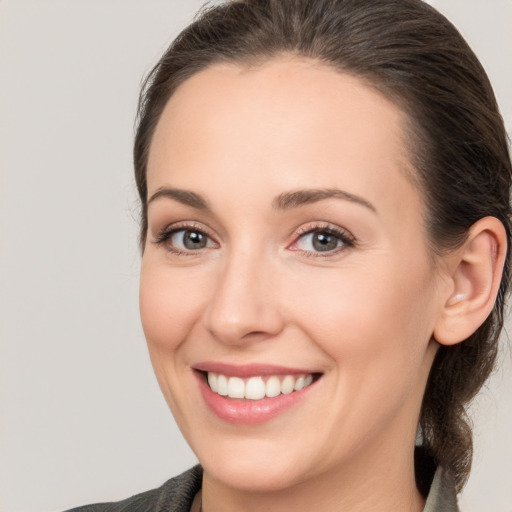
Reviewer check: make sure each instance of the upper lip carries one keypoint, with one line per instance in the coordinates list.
(249, 370)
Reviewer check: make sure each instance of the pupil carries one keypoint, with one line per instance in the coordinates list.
(194, 240)
(324, 242)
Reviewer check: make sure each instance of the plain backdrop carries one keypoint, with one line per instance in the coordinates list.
(81, 417)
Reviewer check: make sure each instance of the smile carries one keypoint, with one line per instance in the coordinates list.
(257, 387)
(251, 394)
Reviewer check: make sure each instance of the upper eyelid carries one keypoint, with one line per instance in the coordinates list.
(187, 226)
(322, 226)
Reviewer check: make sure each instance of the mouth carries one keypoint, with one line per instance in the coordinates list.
(253, 394)
(257, 387)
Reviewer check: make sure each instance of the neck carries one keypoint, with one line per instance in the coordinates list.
(383, 482)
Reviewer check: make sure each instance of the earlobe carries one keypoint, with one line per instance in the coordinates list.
(475, 275)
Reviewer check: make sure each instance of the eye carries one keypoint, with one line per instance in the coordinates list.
(319, 241)
(184, 240)
(322, 240)
(190, 240)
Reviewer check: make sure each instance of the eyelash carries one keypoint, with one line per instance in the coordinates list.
(347, 239)
(163, 237)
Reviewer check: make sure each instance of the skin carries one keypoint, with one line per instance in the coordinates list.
(362, 315)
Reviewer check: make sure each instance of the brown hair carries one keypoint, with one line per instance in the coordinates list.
(456, 137)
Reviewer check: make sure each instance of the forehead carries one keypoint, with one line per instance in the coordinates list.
(291, 119)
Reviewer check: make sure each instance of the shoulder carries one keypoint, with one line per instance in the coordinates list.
(175, 495)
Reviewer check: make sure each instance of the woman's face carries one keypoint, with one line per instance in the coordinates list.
(286, 250)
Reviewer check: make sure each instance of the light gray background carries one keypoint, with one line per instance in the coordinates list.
(81, 417)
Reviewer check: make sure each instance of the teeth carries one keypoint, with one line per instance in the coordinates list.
(255, 388)
(222, 385)
(287, 385)
(213, 379)
(236, 388)
(299, 384)
(273, 387)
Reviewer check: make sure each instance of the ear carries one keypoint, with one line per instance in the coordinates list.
(475, 271)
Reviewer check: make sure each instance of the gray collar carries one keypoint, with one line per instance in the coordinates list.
(442, 496)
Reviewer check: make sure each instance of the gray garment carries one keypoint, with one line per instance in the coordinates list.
(177, 495)
(441, 497)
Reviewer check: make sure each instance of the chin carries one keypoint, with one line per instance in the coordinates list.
(253, 476)
(253, 468)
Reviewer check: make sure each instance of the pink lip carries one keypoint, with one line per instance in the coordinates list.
(248, 412)
(249, 370)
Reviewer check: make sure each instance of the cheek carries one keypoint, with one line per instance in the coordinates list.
(170, 303)
(362, 316)
(375, 329)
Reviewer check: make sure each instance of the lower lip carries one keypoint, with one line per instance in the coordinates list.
(248, 412)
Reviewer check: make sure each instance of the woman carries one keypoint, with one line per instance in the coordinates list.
(325, 232)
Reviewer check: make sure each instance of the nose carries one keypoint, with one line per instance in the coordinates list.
(244, 306)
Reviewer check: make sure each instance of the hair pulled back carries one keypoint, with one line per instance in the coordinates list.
(455, 136)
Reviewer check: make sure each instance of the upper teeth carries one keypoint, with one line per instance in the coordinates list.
(256, 388)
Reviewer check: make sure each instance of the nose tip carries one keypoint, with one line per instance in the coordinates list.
(234, 329)
(243, 308)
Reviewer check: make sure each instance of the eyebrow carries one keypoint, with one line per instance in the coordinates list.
(284, 201)
(185, 197)
(294, 199)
